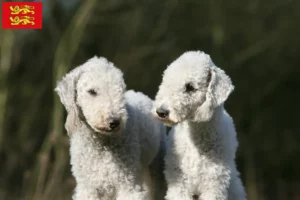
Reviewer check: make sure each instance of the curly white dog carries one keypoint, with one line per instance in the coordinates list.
(200, 160)
(114, 138)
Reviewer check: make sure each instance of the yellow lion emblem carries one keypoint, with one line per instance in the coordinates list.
(15, 10)
(24, 20)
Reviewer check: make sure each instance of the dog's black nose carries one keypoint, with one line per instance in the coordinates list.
(114, 124)
(161, 112)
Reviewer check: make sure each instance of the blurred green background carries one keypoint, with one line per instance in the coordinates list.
(257, 43)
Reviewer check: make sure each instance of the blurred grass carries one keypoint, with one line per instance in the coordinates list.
(47, 179)
(46, 187)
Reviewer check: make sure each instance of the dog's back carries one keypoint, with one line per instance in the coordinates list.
(152, 134)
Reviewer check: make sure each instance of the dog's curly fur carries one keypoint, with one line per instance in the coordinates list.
(200, 160)
(110, 164)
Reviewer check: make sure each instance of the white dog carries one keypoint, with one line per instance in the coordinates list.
(114, 138)
(200, 160)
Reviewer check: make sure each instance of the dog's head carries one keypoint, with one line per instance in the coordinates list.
(191, 89)
(93, 94)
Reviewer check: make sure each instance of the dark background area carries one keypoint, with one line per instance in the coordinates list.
(257, 43)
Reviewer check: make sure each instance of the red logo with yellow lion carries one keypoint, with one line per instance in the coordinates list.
(21, 15)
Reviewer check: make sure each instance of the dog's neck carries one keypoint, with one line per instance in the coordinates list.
(205, 132)
(216, 116)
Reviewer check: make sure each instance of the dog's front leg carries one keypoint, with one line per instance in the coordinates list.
(133, 192)
(85, 192)
(178, 192)
(216, 183)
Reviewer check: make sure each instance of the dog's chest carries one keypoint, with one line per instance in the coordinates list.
(100, 166)
(195, 156)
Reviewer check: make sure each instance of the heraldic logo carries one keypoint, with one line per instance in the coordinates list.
(21, 15)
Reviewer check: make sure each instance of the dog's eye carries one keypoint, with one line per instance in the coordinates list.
(92, 92)
(189, 88)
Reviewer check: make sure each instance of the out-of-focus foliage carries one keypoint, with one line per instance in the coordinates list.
(256, 42)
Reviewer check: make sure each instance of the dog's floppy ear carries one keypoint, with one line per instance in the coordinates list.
(66, 90)
(219, 88)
